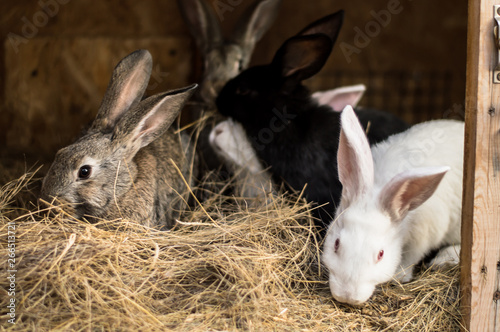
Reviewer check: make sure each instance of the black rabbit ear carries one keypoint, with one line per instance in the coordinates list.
(329, 25)
(126, 88)
(301, 57)
(256, 20)
(202, 24)
(150, 119)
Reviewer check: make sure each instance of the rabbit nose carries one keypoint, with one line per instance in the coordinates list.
(345, 293)
(345, 297)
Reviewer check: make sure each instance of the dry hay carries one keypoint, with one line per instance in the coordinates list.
(227, 267)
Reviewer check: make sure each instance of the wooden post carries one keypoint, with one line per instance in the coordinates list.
(480, 255)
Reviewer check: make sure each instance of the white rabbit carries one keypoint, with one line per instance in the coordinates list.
(399, 201)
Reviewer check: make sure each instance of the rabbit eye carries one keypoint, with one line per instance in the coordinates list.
(380, 255)
(84, 172)
(242, 91)
(337, 245)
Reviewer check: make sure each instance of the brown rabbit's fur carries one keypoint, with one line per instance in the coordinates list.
(157, 191)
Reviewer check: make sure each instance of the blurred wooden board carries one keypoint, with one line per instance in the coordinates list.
(480, 271)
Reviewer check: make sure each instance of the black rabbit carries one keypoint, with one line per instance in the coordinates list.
(291, 133)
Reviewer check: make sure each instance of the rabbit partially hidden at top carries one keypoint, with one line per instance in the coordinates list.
(291, 133)
(400, 200)
(224, 58)
(123, 166)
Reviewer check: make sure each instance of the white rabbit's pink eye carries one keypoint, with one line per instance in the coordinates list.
(380, 255)
(337, 244)
(84, 172)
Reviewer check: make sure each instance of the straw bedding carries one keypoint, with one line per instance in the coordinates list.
(227, 266)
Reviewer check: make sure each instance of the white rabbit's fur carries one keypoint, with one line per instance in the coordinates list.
(372, 218)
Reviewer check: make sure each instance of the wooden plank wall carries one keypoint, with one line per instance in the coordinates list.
(480, 272)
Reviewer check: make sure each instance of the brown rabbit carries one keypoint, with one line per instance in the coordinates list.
(123, 166)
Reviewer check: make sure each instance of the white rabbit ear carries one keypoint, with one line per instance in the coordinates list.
(126, 88)
(151, 119)
(202, 24)
(339, 98)
(329, 25)
(354, 158)
(256, 20)
(410, 189)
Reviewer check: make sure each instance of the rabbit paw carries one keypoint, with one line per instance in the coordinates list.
(447, 256)
(404, 275)
(230, 141)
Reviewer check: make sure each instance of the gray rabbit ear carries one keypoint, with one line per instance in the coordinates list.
(329, 25)
(202, 24)
(150, 119)
(126, 88)
(255, 21)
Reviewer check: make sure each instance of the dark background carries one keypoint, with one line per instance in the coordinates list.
(55, 68)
